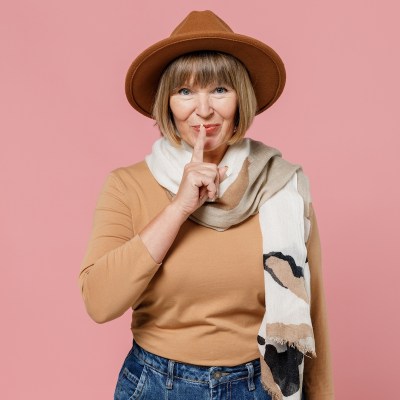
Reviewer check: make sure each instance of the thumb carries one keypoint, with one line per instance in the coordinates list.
(222, 173)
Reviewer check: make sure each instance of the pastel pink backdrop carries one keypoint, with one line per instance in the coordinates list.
(65, 123)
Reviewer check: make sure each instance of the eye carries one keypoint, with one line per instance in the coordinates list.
(184, 91)
(220, 90)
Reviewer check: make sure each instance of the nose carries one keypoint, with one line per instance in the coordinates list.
(204, 106)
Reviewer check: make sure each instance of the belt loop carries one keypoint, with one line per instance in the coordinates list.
(170, 377)
(250, 380)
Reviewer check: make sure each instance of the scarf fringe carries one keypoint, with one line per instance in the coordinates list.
(303, 349)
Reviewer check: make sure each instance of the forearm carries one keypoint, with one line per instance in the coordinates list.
(159, 235)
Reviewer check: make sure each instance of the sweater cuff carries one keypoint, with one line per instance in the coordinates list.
(145, 256)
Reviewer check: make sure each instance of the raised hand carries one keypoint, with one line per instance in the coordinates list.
(200, 180)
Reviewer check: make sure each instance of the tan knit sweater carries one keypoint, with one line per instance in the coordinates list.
(204, 304)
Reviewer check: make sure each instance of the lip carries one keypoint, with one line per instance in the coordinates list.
(210, 128)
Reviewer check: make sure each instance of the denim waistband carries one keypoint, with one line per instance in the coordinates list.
(210, 375)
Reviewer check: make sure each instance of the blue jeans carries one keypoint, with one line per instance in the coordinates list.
(147, 376)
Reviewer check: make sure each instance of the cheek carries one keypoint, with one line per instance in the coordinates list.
(228, 110)
(230, 117)
(181, 111)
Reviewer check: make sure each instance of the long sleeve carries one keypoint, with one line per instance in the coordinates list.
(318, 379)
(117, 266)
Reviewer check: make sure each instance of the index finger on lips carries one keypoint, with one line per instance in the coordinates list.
(198, 148)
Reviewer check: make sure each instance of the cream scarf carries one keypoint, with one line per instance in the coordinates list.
(260, 181)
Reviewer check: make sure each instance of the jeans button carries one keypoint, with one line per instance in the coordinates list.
(217, 375)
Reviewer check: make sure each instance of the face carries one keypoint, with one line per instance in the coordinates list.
(213, 106)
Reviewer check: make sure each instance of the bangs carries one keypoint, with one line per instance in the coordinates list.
(202, 69)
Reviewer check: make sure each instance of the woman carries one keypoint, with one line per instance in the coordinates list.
(212, 240)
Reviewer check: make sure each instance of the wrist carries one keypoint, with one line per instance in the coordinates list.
(176, 212)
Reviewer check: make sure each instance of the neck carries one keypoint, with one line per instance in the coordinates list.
(215, 156)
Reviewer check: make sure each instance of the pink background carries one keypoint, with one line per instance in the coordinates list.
(65, 123)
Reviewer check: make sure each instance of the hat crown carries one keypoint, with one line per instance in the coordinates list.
(201, 22)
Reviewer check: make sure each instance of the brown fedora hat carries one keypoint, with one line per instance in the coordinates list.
(203, 30)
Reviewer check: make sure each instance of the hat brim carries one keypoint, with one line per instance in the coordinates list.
(265, 67)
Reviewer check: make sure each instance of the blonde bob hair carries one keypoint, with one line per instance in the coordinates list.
(204, 68)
